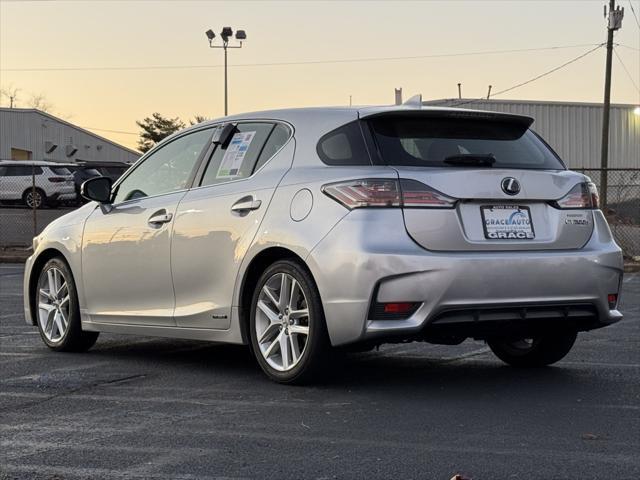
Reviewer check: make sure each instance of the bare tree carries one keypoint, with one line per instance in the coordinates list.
(11, 93)
(40, 102)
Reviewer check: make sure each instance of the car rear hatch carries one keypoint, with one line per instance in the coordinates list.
(498, 186)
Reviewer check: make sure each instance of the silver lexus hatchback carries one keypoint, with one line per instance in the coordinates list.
(298, 231)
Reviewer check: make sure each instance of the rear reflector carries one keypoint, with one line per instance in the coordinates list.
(392, 310)
(398, 307)
(612, 298)
(386, 193)
(583, 195)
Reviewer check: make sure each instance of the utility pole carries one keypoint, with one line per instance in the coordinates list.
(614, 22)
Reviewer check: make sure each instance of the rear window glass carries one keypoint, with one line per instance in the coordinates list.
(344, 146)
(437, 142)
(60, 170)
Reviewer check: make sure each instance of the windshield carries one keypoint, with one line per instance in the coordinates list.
(458, 142)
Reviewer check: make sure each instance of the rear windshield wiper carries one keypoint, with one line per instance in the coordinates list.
(471, 160)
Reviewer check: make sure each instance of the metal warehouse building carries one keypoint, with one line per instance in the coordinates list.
(29, 134)
(574, 130)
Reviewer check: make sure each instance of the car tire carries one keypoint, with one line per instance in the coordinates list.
(535, 352)
(29, 197)
(276, 324)
(58, 311)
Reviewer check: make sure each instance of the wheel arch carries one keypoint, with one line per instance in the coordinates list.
(251, 276)
(39, 262)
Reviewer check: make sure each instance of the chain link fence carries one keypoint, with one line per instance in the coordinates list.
(32, 196)
(623, 205)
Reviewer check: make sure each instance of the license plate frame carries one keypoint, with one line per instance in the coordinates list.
(519, 224)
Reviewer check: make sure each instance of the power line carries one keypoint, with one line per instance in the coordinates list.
(626, 71)
(279, 64)
(627, 46)
(537, 77)
(633, 10)
(110, 131)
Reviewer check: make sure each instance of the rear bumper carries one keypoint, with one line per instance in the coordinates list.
(369, 256)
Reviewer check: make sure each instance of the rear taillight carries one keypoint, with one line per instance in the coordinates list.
(583, 195)
(380, 192)
(57, 179)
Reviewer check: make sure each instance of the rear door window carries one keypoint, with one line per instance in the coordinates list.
(278, 137)
(237, 159)
(438, 142)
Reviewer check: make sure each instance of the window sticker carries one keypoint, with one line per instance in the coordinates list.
(234, 155)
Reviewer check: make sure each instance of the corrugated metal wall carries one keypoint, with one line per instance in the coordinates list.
(574, 130)
(30, 130)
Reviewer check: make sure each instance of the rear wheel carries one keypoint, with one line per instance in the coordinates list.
(34, 198)
(534, 352)
(287, 326)
(58, 310)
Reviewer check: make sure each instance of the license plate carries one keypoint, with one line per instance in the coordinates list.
(507, 222)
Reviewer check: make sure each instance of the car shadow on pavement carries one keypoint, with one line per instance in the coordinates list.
(379, 370)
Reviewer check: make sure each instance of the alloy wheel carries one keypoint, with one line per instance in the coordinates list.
(53, 304)
(282, 322)
(33, 199)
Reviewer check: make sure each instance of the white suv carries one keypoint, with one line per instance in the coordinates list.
(35, 183)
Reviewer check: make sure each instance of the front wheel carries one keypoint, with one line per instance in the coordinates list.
(287, 326)
(56, 301)
(534, 352)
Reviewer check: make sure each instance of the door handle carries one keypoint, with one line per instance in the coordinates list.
(245, 204)
(159, 218)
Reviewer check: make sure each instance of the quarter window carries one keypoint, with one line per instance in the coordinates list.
(238, 158)
(344, 146)
(166, 170)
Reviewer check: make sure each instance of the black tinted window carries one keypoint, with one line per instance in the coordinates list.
(278, 137)
(60, 170)
(21, 170)
(237, 159)
(437, 142)
(344, 146)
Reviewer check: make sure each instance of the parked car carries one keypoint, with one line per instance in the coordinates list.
(35, 183)
(298, 231)
(113, 170)
(81, 173)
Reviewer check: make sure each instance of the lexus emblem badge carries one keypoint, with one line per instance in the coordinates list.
(510, 186)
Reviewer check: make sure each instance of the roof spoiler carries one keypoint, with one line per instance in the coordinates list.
(430, 112)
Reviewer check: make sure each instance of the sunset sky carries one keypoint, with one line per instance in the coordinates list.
(94, 35)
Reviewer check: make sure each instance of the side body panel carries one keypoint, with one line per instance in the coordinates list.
(210, 241)
(126, 262)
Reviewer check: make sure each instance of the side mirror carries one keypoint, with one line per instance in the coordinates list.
(97, 189)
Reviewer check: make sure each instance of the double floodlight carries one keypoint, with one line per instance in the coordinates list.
(226, 34)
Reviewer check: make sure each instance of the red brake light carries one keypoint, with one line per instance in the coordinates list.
(583, 195)
(379, 192)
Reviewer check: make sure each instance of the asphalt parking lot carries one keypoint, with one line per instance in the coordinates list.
(136, 407)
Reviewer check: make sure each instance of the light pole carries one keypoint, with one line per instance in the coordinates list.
(225, 35)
